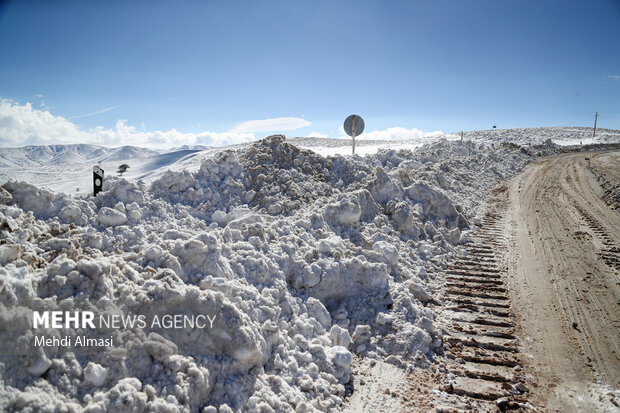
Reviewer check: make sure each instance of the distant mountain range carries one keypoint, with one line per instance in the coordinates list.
(42, 155)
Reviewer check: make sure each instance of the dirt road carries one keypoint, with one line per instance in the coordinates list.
(531, 306)
(563, 274)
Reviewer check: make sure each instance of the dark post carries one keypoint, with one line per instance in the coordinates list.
(353, 135)
(97, 179)
(595, 118)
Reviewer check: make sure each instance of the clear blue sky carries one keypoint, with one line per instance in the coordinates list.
(211, 65)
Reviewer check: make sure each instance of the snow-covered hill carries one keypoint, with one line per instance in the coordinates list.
(44, 155)
(537, 136)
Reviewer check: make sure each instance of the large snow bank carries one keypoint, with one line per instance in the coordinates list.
(302, 259)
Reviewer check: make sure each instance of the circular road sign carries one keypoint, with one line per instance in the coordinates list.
(349, 125)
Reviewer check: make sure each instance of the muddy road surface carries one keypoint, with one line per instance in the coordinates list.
(563, 275)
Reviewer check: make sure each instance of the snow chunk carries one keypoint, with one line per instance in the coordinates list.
(95, 374)
(317, 310)
(384, 319)
(341, 359)
(134, 215)
(219, 217)
(120, 207)
(5, 196)
(330, 244)
(42, 202)
(434, 202)
(339, 336)
(73, 214)
(341, 356)
(123, 190)
(405, 216)
(111, 217)
(362, 334)
(126, 396)
(383, 188)
(9, 253)
(39, 365)
(345, 212)
(419, 292)
(387, 250)
(159, 347)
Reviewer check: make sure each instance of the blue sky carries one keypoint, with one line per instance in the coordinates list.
(196, 71)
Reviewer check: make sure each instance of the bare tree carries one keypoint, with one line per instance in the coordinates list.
(122, 169)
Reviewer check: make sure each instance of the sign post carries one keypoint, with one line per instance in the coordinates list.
(354, 126)
(97, 179)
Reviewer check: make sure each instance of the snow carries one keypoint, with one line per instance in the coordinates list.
(9, 253)
(95, 374)
(59, 154)
(34, 164)
(520, 136)
(303, 260)
(111, 217)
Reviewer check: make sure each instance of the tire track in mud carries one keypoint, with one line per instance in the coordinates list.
(610, 252)
(481, 349)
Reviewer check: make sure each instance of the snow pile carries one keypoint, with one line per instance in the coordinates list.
(301, 260)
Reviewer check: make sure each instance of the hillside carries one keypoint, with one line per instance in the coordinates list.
(43, 155)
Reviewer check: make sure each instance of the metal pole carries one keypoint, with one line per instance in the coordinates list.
(595, 118)
(353, 134)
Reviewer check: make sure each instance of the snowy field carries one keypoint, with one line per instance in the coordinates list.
(303, 260)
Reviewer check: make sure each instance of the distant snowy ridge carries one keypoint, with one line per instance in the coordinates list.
(61, 154)
(561, 135)
(572, 135)
(336, 142)
(191, 148)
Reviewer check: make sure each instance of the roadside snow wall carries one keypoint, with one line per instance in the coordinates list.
(302, 259)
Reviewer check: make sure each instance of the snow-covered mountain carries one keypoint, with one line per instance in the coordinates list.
(42, 155)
